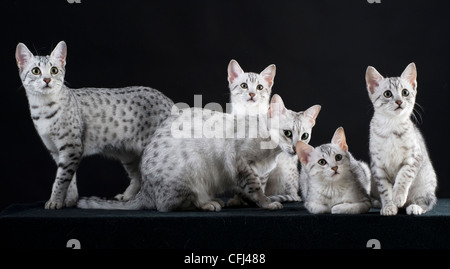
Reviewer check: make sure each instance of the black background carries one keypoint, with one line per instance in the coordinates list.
(321, 49)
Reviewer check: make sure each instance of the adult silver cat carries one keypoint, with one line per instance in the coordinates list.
(74, 123)
(185, 166)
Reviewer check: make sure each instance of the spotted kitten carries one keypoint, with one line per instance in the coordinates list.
(74, 123)
(332, 180)
(401, 167)
(181, 172)
(250, 93)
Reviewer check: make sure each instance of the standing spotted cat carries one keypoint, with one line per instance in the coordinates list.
(401, 166)
(184, 167)
(74, 123)
(250, 93)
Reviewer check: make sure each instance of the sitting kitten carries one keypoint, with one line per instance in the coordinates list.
(332, 181)
(250, 93)
(74, 123)
(401, 167)
(185, 168)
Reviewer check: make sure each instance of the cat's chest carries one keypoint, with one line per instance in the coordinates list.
(391, 150)
(331, 193)
(45, 115)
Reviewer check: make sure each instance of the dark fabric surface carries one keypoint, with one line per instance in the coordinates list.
(30, 226)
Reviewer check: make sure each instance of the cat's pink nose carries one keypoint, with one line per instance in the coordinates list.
(47, 80)
(335, 168)
(399, 102)
(252, 94)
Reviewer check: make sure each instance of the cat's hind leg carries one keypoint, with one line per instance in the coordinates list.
(251, 187)
(421, 196)
(72, 193)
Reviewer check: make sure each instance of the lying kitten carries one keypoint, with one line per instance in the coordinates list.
(74, 123)
(401, 167)
(250, 94)
(332, 181)
(182, 172)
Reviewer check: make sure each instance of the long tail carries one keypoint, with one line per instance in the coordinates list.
(135, 203)
(285, 198)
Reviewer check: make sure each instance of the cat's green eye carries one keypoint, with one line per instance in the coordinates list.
(260, 87)
(305, 136)
(54, 70)
(405, 92)
(387, 94)
(244, 85)
(322, 162)
(36, 71)
(288, 133)
(338, 157)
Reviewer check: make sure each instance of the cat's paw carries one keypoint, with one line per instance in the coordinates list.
(221, 203)
(341, 209)
(212, 206)
(53, 204)
(121, 197)
(414, 210)
(315, 208)
(273, 206)
(389, 210)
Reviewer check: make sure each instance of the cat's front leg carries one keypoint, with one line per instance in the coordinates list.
(404, 179)
(67, 161)
(384, 186)
(251, 186)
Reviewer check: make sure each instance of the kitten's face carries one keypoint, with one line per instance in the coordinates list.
(393, 97)
(292, 126)
(329, 162)
(250, 91)
(41, 74)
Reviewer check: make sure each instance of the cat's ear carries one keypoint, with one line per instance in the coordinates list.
(312, 113)
(303, 151)
(269, 74)
(373, 79)
(410, 74)
(60, 53)
(276, 106)
(234, 70)
(339, 139)
(23, 56)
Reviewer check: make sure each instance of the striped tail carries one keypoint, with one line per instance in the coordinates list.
(285, 198)
(98, 203)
